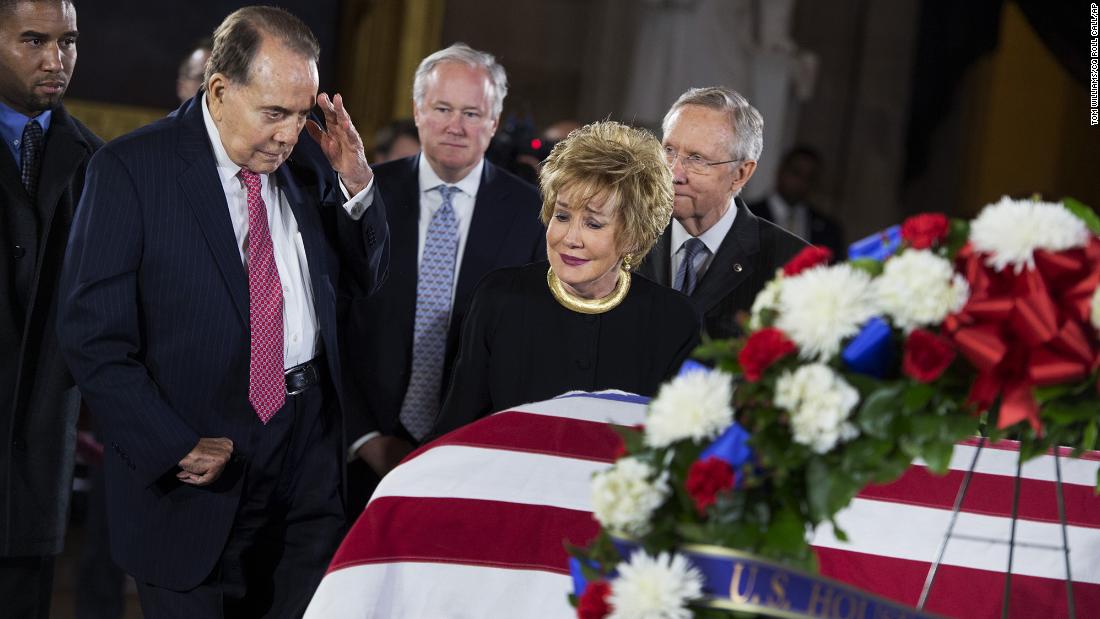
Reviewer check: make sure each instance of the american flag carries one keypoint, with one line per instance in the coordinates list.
(473, 525)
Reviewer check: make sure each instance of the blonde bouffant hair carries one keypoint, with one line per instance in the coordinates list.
(625, 164)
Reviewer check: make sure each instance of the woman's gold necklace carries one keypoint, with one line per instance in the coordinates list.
(572, 302)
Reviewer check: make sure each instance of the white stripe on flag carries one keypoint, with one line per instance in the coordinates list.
(996, 461)
(458, 471)
(911, 532)
(436, 590)
(588, 408)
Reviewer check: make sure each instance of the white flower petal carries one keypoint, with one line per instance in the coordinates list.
(624, 497)
(1011, 231)
(918, 289)
(694, 405)
(655, 588)
(822, 306)
(820, 402)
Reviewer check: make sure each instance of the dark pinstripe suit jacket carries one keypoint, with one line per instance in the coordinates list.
(154, 326)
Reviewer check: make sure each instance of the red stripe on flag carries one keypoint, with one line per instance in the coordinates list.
(961, 592)
(990, 495)
(487, 533)
(534, 433)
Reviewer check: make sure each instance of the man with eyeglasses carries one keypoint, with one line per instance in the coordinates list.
(715, 250)
(453, 217)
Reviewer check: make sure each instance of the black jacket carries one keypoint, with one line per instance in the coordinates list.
(38, 402)
(746, 260)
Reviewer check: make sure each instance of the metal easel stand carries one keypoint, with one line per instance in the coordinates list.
(1012, 543)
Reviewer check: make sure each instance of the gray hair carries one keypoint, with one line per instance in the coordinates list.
(460, 52)
(745, 121)
(239, 37)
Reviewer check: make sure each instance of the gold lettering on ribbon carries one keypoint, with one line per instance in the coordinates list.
(847, 606)
(736, 581)
(778, 598)
(821, 601)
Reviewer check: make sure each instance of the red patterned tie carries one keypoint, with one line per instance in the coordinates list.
(266, 385)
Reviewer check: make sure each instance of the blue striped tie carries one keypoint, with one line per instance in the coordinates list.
(433, 313)
(688, 272)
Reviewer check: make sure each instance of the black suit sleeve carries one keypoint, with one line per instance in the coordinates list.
(99, 322)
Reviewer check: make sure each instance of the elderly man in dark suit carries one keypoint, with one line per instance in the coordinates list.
(41, 178)
(715, 250)
(453, 217)
(199, 319)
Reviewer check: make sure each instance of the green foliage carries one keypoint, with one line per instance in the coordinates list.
(1084, 213)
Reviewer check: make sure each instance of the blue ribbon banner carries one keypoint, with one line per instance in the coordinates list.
(742, 582)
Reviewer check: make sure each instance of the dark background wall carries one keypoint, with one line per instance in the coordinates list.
(129, 50)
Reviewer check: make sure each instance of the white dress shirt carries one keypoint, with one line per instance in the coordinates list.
(795, 219)
(300, 328)
(712, 238)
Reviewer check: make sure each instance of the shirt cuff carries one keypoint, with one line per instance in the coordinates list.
(362, 440)
(357, 205)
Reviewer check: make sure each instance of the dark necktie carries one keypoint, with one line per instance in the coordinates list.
(266, 384)
(30, 152)
(433, 313)
(688, 274)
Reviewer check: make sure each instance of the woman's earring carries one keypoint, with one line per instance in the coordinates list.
(628, 260)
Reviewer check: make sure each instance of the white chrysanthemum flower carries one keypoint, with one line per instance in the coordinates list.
(766, 299)
(820, 402)
(1011, 231)
(655, 588)
(1095, 316)
(625, 496)
(820, 307)
(694, 405)
(919, 288)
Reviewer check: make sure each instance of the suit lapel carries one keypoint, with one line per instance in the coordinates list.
(201, 188)
(492, 218)
(402, 198)
(65, 150)
(732, 265)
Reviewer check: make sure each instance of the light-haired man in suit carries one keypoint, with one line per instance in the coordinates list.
(453, 217)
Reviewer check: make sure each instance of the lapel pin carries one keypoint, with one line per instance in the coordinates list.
(737, 267)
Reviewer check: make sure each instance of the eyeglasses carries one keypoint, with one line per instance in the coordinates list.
(693, 163)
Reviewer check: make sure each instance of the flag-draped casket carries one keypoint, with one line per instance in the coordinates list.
(473, 525)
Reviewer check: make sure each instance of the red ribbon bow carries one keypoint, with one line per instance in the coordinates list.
(1027, 329)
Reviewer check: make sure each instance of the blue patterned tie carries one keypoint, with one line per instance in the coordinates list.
(688, 273)
(30, 152)
(433, 313)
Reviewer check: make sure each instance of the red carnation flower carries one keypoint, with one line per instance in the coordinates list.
(706, 478)
(593, 602)
(809, 257)
(763, 348)
(924, 230)
(927, 355)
